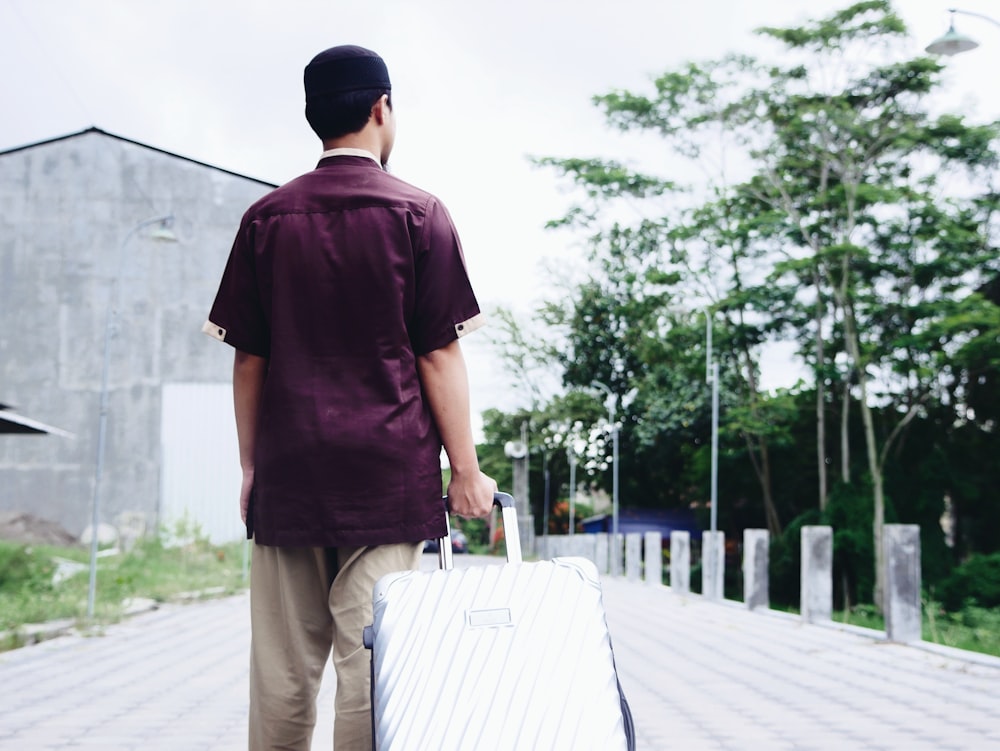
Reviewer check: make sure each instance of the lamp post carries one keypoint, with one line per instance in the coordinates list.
(571, 455)
(712, 377)
(518, 451)
(545, 500)
(165, 234)
(951, 42)
(612, 404)
(713, 544)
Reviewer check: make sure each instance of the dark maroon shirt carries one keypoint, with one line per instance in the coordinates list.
(341, 278)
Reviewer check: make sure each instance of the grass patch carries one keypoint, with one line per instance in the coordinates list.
(972, 628)
(43, 583)
(865, 616)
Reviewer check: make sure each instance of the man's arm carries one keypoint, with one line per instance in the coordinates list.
(249, 372)
(446, 385)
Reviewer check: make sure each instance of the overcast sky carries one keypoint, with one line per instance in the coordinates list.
(478, 87)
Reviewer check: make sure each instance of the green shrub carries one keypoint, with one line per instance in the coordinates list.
(477, 531)
(786, 560)
(152, 569)
(22, 569)
(850, 512)
(975, 582)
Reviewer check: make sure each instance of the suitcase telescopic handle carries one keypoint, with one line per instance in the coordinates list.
(508, 511)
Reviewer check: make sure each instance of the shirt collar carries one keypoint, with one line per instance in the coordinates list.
(345, 151)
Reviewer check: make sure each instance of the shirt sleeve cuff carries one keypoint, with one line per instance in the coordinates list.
(467, 327)
(214, 330)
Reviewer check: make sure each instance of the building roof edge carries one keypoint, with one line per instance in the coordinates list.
(100, 131)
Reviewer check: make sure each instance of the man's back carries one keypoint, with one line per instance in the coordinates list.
(355, 274)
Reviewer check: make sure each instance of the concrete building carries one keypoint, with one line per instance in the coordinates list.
(81, 235)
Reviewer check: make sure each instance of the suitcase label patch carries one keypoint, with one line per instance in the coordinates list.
(487, 618)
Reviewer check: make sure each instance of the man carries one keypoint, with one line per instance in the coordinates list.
(344, 296)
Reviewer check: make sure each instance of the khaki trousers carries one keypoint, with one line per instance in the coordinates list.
(303, 602)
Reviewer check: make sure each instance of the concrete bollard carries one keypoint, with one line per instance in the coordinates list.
(680, 562)
(713, 564)
(576, 546)
(584, 546)
(816, 587)
(903, 621)
(653, 558)
(545, 548)
(756, 548)
(601, 552)
(616, 554)
(633, 556)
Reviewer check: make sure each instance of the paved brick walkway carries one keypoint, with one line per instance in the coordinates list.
(698, 675)
(706, 676)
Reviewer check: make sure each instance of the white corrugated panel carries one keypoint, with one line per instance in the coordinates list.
(201, 465)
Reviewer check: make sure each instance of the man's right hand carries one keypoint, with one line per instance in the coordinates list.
(471, 497)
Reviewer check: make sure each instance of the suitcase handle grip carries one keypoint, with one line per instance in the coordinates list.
(508, 511)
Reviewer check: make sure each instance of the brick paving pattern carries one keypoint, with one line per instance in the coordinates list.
(699, 676)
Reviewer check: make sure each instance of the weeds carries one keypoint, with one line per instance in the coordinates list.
(971, 628)
(41, 583)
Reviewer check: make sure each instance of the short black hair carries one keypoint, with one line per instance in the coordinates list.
(337, 115)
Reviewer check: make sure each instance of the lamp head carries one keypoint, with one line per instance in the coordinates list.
(951, 43)
(515, 450)
(163, 232)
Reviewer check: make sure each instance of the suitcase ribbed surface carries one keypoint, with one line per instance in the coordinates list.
(495, 657)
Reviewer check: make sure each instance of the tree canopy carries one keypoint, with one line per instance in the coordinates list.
(822, 205)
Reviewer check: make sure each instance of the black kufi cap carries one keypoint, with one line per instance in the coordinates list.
(345, 68)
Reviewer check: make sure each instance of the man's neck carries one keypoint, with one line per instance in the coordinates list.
(364, 141)
(350, 151)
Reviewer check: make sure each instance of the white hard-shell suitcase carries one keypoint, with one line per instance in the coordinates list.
(505, 657)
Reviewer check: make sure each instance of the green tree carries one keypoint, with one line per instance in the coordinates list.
(854, 168)
(839, 233)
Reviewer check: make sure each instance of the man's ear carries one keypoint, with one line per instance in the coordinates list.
(380, 109)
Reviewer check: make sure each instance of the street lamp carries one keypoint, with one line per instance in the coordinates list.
(518, 452)
(612, 404)
(545, 500)
(712, 377)
(163, 233)
(571, 456)
(951, 42)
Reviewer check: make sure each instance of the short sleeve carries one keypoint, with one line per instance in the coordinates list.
(445, 304)
(237, 316)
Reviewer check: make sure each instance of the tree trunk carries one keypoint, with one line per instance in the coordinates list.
(871, 449)
(820, 396)
(845, 439)
(763, 468)
(773, 522)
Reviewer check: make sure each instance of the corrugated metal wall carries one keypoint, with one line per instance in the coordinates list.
(200, 472)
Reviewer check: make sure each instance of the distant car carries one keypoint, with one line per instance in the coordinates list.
(459, 543)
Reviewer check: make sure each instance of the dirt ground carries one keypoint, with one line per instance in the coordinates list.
(20, 526)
